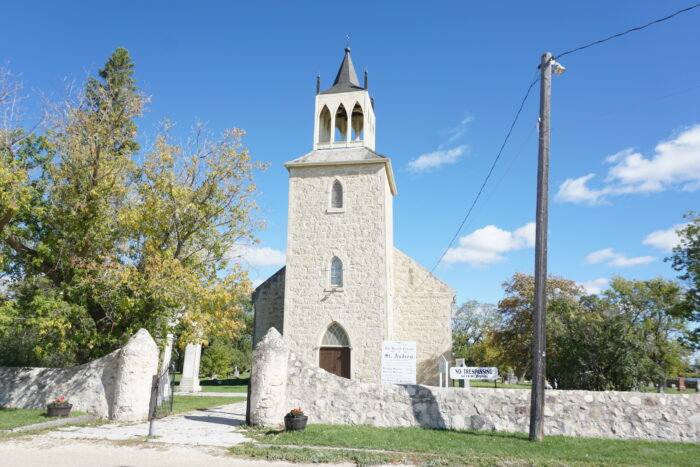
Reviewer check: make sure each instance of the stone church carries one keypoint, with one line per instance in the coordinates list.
(345, 289)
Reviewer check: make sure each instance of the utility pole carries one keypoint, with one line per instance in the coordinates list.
(540, 312)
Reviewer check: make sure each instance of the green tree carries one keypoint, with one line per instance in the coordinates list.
(473, 325)
(686, 259)
(627, 337)
(513, 338)
(118, 245)
(217, 359)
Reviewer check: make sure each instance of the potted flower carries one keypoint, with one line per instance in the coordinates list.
(295, 420)
(59, 408)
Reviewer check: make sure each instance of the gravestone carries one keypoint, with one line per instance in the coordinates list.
(511, 379)
(236, 373)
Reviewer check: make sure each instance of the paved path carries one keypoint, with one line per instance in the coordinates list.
(209, 427)
(215, 394)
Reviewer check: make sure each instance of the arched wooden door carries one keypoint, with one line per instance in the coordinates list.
(334, 355)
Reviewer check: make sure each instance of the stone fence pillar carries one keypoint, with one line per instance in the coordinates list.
(268, 381)
(138, 362)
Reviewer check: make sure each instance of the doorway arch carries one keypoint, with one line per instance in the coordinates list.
(334, 354)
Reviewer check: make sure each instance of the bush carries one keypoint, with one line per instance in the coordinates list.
(217, 359)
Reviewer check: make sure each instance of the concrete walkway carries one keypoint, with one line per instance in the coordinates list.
(210, 427)
(214, 394)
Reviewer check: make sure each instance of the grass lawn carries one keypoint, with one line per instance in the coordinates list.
(489, 384)
(221, 385)
(188, 403)
(444, 447)
(12, 418)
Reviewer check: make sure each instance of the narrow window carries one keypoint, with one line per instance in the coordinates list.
(336, 272)
(337, 195)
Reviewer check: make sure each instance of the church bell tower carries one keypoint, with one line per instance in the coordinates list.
(338, 287)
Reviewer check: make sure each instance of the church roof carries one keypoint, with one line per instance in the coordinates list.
(346, 79)
(356, 154)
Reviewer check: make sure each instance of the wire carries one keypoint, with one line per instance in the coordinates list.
(615, 110)
(517, 115)
(488, 175)
(638, 28)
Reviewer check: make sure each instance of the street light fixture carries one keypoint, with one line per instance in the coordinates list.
(557, 68)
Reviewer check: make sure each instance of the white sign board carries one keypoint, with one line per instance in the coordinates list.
(398, 362)
(473, 372)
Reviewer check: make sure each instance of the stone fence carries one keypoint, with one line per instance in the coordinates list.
(280, 382)
(116, 386)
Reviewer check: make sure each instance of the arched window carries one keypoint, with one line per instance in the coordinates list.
(336, 272)
(358, 123)
(335, 336)
(341, 123)
(324, 125)
(337, 195)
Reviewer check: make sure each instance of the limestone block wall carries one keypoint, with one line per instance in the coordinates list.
(423, 313)
(116, 386)
(326, 398)
(268, 300)
(356, 234)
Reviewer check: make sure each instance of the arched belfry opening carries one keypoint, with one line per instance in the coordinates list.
(324, 125)
(358, 123)
(334, 354)
(341, 123)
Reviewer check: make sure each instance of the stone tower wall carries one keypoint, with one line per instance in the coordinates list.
(357, 234)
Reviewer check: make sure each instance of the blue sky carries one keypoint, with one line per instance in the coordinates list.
(447, 78)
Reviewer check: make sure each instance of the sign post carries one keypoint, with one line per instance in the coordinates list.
(444, 370)
(398, 362)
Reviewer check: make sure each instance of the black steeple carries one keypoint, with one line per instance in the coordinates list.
(346, 79)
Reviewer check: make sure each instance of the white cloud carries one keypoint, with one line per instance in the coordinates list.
(258, 256)
(595, 286)
(457, 132)
(611, 258)
(436, 159)
(664, 240)
(675, 164)
(574, 190)
(487, 245)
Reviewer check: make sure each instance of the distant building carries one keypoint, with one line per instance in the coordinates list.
(345, 288)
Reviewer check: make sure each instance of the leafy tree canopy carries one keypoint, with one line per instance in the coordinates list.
(99, 239)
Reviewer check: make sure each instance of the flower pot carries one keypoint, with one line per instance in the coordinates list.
(295, 423)
(58, 410)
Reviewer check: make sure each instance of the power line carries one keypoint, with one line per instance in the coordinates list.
(638, 28)
(520, 108)
(615, 110)
(488, 176)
